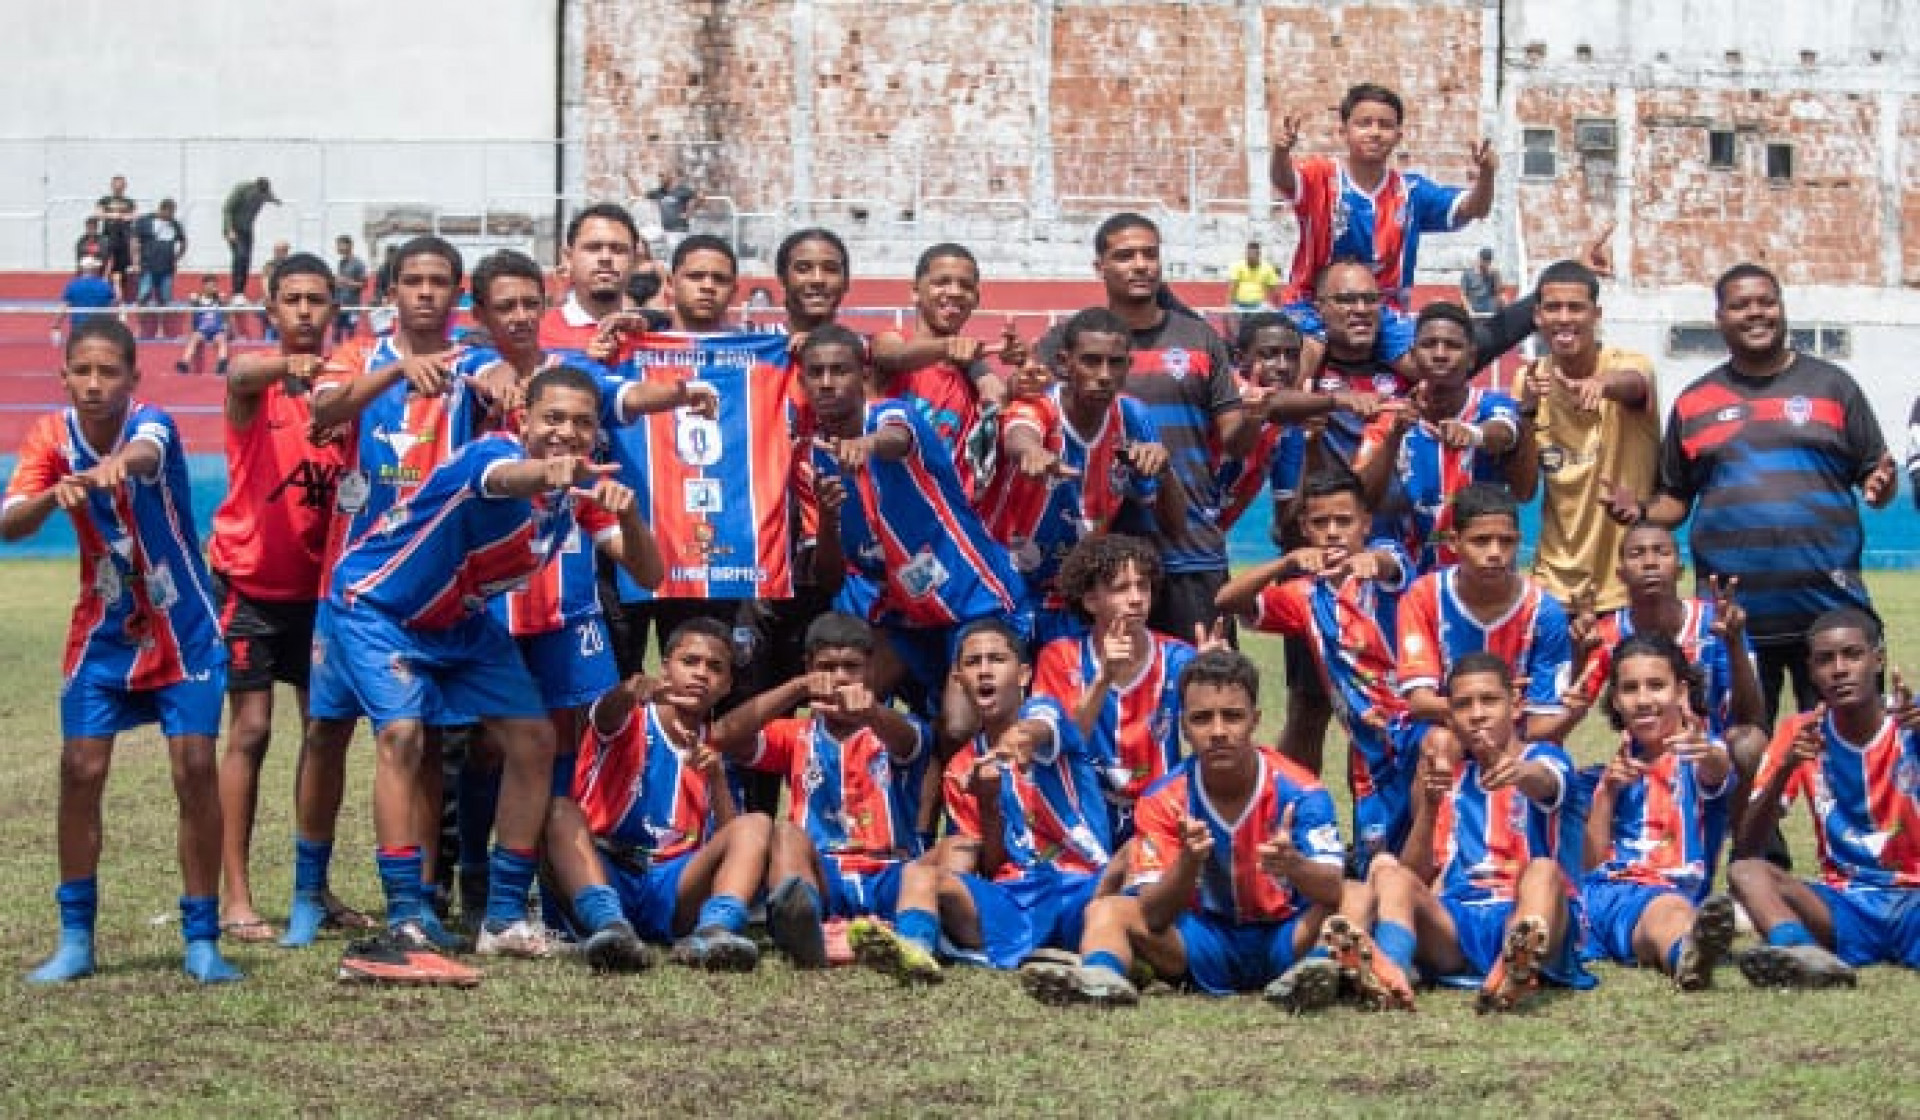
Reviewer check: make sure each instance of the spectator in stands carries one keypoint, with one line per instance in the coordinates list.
(91, 243)
(237, 216)
(1250, 282)
(159, 241)
(349, 289)
(116, 212)
(85, 296)
(676, 201)
(1480, 285)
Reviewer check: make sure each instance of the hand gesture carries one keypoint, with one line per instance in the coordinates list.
(1016, 746)
(498, 384)
(70, 491)
(1278, 856)
(1116, 649)
(1622, 771)
(1690, 742)
(1496, 771)
(1485, 159)
(1583, 625)
(1810, 742)
(1458, 435)
(1288, 134)
(1596, 256)
(1196, 842)
(305, 367)
(851, 453)
(986, 775)
(1537, 383)
(1210, 637)
(1148, 460)
(1363, 565)
(1009, 348)
(1039, 463)
(703, 400)
(1621, 503)
(829, 494)
(609, 494)
(1881, 482)
(1588, 393)
(426, 374)
(963, 351)
(1900, 705)
(1364, 405)
(576, 473)
(1729, 617)
(1436, 771)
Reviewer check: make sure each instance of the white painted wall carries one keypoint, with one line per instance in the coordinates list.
(428, 101)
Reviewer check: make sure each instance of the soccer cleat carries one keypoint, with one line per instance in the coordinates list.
(616, 948)
(1099, 986)
(397, 959)
(1795, 966)
(1516, 975)
(1310, 985)
(793, 920)
(1374, 982)
(716, 950)
(879, 947)
(1051, 982)
(523, 939)
(205, 964)
(71, 961)
(1706, 944)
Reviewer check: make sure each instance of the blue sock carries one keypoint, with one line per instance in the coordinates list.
(476, 800)
(724, 911)
(79, 901)
(199, 918)
(400, 871)
(1789, 934)
(597, 908)
(1673, 954)
(1104, 960)
(509, 879)
(1396, 941)
(311, 859)
(922, 927)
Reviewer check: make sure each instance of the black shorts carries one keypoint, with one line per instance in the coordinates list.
(266, 641)
(1184, 601)
(1303, 672)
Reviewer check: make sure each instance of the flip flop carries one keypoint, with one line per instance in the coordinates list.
(254, 932)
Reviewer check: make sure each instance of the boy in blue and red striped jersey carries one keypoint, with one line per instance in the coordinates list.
(1268, 348)
(1856, 759)
(144, 645)
(1234, 875)
(684, 865)
(412, 642)
(1340, 593)
(1483, 890)
(1485, 603)
(1658, 817)
(920, 562)
(1077, 461)
(853, 769)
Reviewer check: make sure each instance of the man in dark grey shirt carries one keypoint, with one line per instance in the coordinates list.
(236, 223)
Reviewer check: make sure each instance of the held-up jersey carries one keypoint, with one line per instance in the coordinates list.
(269, 534)
(1039, 520)
(1865, 800)
(635, 786)
(1233, 886)
(1436, 631)
(1137, 737)
(1667, 828)
(716, 492)
(1483, 839)
(434, 560)
(907, 527)
(1381, 229)
(1431, 473)
(146, 617)
(843, 793)
(1050, 812)
(1704, 649)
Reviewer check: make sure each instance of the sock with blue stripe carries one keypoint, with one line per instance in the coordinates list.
(1673, 954)
(1104, 960)
(311, 861)
(509, 880)
(1397, 942)
(200, 927)
(596, 908)
(922, 927)
(1788, 934)
(79, 901)
(723, 911)
(400, 871)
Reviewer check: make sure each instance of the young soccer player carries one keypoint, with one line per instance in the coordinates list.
(1075, 462)
(144, 646)
(1361, 207)
(1481, 894)
(853, 768)
(1234, 870)
(705, 275)
(1268, 347)
(1656, 822)
(413, 643)
(209, 328)
(926, 565)
(1854, 758)
(1454, 435)
(601, 246)
(1030, 835)
(1119, 679)
(937, 367)
(1485, 603)
(265, 554)
(1339, 593)
(684, 866)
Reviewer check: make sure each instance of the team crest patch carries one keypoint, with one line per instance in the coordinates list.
(1552, 459)
(1385, 384)
(1178, 362)
(402, 672)
(1799, 411)
(351, 495)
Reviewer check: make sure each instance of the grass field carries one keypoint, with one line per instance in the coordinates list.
(547, 1038)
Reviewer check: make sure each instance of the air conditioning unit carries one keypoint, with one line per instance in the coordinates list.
(1595, 135)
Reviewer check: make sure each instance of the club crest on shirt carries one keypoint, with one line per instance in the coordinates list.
(351, 495)
(1386, 384)
(1178, 363)
(1799, 411)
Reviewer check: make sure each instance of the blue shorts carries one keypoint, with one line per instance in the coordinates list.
(1612, 911)
(1226, 957)
(573, 666)
(1006, 918)
(1066, 913)
(461, 675)
(565, 757)
(1874, 925)
(1381, 818)
(648, 898)
(851, 895)
(1392, 343)
(1481, 929)
(92, 709)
